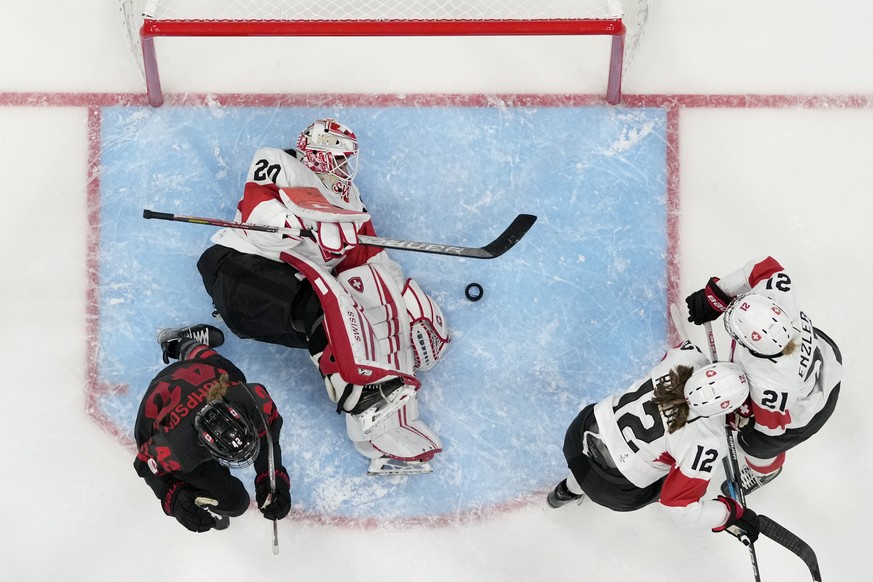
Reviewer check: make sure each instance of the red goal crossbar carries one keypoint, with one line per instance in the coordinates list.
(326, 28)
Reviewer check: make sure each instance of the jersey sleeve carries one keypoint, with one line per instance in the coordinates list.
(750, 276)
(697, 451)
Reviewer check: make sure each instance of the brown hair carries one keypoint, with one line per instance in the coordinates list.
(218, 390)
(670, 397)
(791, 347)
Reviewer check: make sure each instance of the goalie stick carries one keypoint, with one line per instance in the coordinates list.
(507, 239)
(766, 526)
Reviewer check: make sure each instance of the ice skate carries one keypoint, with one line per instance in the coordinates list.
(389, 466)
(561, 496)
(169, 338)
(750, 481)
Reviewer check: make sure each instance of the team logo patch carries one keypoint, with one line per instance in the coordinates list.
(357, 284)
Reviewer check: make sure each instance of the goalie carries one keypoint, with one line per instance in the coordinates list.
(368, 329)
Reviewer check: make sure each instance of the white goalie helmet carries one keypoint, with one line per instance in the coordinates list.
(330, 149)
(759, 324)
(716, 389)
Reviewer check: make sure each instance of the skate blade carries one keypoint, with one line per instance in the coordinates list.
(394, 467)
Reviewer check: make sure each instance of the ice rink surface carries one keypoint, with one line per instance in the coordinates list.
(724, 151)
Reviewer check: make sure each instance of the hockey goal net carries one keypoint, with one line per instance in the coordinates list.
(145, 20)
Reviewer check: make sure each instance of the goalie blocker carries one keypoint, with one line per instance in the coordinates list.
(376, 337)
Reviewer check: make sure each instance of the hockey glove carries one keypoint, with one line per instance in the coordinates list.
(279, 502)
(742, 522)
(707, 303)
(742, 419)
(179, 502)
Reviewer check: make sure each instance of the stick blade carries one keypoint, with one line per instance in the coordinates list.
(509, 237)
(792, 543)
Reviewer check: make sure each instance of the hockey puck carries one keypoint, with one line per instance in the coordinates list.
(474, 292)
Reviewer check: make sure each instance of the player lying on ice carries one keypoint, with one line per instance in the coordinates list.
(368, 329)
(661, 440)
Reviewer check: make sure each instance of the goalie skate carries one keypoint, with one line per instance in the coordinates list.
(389, 466)
(391, 398)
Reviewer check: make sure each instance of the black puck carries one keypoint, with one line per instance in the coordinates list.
(474, 292)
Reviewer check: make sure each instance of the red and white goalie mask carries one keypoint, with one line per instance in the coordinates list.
(330, 149)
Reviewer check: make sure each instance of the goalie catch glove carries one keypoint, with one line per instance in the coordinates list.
(428, 330)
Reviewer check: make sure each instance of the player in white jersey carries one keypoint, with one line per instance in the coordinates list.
(660, 440)
(794, 368)
(367, 328)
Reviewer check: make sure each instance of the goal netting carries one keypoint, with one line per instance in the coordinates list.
(145, 20)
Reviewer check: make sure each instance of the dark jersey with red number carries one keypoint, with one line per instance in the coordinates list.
(167, 443)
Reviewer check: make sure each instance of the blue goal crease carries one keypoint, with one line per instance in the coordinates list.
(575, 311)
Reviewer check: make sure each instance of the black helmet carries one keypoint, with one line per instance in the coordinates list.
(228, 435)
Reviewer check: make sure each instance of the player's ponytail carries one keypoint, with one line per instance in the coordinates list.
(670, 397)
(219, 389)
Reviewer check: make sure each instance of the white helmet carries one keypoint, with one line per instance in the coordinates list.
(758, 324)
(716, 389)
(330, 149)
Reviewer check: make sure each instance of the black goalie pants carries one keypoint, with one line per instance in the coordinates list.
(258, 298)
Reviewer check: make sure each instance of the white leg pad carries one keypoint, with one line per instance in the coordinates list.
(402, 436)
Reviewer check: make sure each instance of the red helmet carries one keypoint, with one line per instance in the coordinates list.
(330, 149)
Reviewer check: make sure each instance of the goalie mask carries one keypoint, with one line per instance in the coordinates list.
(228, 435)
(330, 149)
(716, 389)
(758, 324)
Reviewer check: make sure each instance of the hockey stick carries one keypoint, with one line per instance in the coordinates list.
(271, 467)
(766, 526)
(731, 462)
(791, 542)
(507, 239)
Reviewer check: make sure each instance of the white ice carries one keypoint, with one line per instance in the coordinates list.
(788, 181)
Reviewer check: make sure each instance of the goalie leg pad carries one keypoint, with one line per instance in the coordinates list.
(401, 436)
(357, 353)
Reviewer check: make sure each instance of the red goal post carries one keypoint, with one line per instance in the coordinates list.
(146, 20)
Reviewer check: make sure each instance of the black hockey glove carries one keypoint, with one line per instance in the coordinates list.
(179, 502)
(707, 303)
(742, 523)
(280, 503)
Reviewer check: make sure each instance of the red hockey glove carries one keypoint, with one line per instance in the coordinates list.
(742, 419)
(707, 303)
(742, 522)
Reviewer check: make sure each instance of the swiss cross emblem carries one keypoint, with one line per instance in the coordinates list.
(711, 373)
(756, 336)
(357, 284)
(726, 404)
